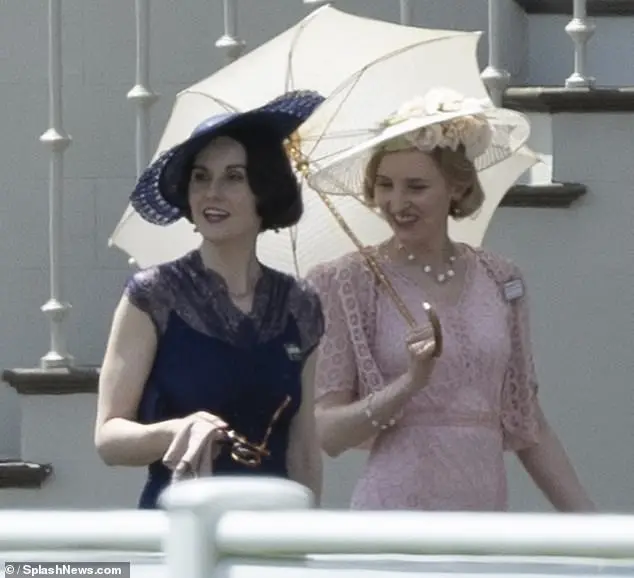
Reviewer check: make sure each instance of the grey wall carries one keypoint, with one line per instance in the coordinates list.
(99, 69)
(579, 264)
(578, 261)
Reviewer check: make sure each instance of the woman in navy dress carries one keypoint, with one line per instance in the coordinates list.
(215, 341)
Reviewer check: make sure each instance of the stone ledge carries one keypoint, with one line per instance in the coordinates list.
(595, 7)
(36, 381)
(561, 99)
(23, 475)
(550, 196)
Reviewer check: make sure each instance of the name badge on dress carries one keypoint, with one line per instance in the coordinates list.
(513, 289)
(294, 353)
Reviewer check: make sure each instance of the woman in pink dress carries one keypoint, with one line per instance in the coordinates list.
(437, 426)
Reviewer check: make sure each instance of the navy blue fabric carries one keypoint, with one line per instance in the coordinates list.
(240, 369)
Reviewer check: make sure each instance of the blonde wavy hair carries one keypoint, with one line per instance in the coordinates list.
(453, 164)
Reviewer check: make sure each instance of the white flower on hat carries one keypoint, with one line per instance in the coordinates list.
(443, 100)
(472, 131)
(426, 139)
(477, 138)
(417, 107)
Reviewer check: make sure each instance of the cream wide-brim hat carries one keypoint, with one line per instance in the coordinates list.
(494, 135)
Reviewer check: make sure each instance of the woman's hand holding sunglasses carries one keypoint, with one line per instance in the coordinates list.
(194, 445)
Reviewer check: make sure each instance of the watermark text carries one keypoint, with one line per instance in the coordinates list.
(105, 569)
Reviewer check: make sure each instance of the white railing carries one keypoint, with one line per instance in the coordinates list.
(412, 533)
(141, 94)
(272, 522)
(51, 530)
(211, 513)
(495, 77)
(57, 141)
(580, 29)
(230, 42)
(197, 507)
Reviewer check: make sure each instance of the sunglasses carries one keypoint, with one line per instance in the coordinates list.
(248, 453)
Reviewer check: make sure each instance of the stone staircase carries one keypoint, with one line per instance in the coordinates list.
(540, 91)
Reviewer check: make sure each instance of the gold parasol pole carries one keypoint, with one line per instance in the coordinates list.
(303, 167)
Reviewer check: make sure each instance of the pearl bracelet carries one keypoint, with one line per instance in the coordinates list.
(374, 422)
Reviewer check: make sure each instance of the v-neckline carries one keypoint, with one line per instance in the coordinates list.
(467, 280)
(261, 292)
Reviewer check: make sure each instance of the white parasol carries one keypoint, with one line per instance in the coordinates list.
(349, 118)
(322, 52)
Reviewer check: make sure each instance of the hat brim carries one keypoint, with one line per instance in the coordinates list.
(158, 196)
(344, 172)
(274, 126)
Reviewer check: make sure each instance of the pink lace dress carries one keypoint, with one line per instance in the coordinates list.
(446, 451)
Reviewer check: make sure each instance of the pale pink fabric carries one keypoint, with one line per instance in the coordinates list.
(446, 451)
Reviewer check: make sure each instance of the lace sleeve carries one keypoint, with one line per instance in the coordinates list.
(336, 365)
(147, 291)
(519, 391)
(306, 307)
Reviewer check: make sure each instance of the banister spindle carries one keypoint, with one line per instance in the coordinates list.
(406, 12)
(141, 94)
(495, 78)
(229, 41)
(580, 29)
(57, 141)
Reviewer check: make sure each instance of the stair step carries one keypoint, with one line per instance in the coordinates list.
(560, 99)
(23, 475)
(63, 381)
(547, 196)
(595, 7)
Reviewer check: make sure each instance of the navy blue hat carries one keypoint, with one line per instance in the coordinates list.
(157, 196)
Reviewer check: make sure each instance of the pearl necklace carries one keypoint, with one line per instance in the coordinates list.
(439, 277)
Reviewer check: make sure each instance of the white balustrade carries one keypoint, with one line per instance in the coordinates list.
(426, 533)
(209, 523)
(271, 521)
(580, 29)
(196, 507)
(495, 78)
(141, 94)
(229, 41)
(57, 141)
(51, 530)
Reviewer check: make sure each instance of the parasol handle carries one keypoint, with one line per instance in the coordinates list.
(302, 166)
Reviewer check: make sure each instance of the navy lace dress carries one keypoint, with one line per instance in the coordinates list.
(213, 357)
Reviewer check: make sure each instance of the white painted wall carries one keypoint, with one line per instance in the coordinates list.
(58, 429)
(579, 264)
(578, 261)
